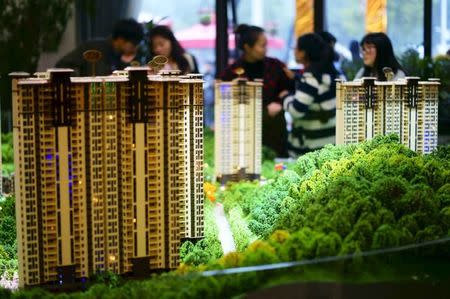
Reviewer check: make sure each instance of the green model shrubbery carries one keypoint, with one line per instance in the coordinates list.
(347, 199)
(207, 249)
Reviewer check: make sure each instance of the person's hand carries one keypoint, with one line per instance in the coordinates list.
(282, 94)
(274, 108)
(290, 74)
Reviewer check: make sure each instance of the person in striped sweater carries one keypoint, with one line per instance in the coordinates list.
(313, 104)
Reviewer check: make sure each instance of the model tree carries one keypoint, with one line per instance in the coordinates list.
(27, 29)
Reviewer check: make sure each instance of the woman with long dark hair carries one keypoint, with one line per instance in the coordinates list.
(378, 54)
(163, 42)
(254, 63)
(313, 104)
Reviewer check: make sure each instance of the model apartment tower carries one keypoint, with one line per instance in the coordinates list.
(238, 126)
(109, 172)
(409, 108)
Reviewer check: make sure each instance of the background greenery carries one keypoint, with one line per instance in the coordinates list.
(7, 154)
(27, 28)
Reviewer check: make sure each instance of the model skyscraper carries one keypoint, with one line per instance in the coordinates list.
(238, 127)
(408, 108)
(109, 172)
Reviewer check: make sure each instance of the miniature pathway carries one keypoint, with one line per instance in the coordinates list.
(225, 235)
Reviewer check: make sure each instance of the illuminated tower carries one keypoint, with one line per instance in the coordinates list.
(192, 151)
(50, 222)
(238, 113)
(109, 172)
(408, 108)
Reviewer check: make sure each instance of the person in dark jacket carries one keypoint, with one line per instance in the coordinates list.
(256, 65)
(116, 50)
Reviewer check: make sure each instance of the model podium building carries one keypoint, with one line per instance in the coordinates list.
(109, 172)
(238, 130)
(408, 108)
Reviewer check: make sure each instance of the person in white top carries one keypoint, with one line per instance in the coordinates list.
(378, 53)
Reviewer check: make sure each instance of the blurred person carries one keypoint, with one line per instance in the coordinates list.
(118, 51)
(252, 42)
(331, 40)
(313, 104)
(378, 53)
(355, 51)
(351, 67)
(163, 42)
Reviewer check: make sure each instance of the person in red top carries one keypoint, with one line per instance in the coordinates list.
(252, 41)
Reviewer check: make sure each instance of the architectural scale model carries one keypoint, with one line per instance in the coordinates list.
(238, 126)
(408, 108)
(109, 172)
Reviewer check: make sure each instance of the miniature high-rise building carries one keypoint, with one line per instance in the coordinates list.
(109, 172)
(409, 108)
(238, 127)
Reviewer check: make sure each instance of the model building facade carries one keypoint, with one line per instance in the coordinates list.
(109, 172)
(408, 108)
(238, 113)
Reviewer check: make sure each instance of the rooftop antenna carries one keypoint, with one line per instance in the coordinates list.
(157, 63)
(388, 73)
(239, 71)
(92, 56)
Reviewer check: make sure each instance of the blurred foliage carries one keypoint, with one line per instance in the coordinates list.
(27, 29)
(7, 154)
(350, 68)
(8, 240)
(208, 154)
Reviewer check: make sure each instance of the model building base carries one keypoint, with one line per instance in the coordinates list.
(240, 175)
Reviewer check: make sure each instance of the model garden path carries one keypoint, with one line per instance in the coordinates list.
(225, 235)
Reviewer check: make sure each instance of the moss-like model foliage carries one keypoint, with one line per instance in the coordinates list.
(347, 199)
(207, 249)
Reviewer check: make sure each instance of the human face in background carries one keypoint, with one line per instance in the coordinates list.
(369, 54)
(161, 46)
(258, 51)
(124, 46)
